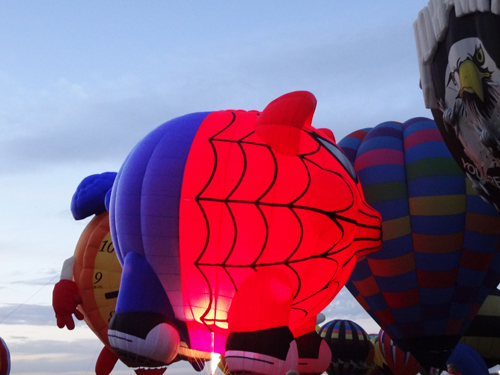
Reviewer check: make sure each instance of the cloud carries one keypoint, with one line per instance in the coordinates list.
(37, 315)
(51, 356)
(344, 306)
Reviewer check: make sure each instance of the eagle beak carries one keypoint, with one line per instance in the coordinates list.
(471, 79)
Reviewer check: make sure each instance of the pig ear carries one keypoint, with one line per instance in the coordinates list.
(280, 123)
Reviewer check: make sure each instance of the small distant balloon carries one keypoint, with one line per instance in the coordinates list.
(4, 358)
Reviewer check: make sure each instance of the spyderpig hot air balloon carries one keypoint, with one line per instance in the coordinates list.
(235, 229)
(458, 55)
(90, 280)
(440, 239)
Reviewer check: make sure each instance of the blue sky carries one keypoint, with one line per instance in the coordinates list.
(82, 81)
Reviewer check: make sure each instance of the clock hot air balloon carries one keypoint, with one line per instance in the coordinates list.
(440, 239)
(457, 45)
(90, 280)
(235, 229)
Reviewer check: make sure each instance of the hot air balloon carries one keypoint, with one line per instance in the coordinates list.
(350, 347)
(90, 280)
(4, 358)
(457, 45)
(235, 229)
(440, 239)
(399, 361)
(483, 335)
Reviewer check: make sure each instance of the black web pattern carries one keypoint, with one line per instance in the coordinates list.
(336, 218)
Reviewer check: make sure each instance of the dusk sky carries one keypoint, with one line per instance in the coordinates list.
(81, 82)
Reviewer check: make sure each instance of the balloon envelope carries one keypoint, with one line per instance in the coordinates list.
(439, 256)
(468, 361)
(226, 224)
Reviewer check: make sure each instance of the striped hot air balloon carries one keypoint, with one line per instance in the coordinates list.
(439, 258)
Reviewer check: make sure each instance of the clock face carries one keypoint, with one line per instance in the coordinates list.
(106, 278)
(97, 274)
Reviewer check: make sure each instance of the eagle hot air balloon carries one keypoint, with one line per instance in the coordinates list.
(457, 45)
(437, 263)
(235, 229)
(350, 346)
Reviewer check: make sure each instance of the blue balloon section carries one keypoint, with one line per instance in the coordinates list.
(89, 198)
(468, 361)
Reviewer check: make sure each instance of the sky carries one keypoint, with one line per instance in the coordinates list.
(81, 82)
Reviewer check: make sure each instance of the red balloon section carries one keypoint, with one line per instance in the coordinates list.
(244, 224)
(399, 361)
